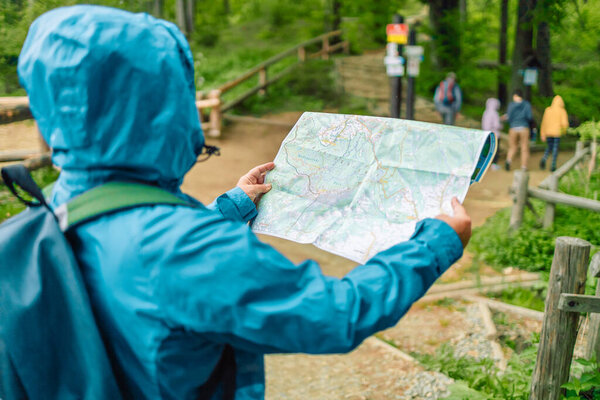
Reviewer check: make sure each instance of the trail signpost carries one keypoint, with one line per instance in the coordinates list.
(397, 35)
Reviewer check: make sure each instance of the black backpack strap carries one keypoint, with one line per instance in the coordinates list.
(18, 175)
(224, 372)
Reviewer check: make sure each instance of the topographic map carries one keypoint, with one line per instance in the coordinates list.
(355, 185)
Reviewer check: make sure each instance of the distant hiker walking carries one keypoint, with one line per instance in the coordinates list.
(448, 98)
(519, 120)
(554, 123)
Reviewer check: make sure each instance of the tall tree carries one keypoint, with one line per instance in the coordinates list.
(502, 90)
(157, 8)
(543, 55)
(444, 17)
(523, 49)
(190, 16)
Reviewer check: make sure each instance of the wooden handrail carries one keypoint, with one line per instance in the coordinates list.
(248, 74)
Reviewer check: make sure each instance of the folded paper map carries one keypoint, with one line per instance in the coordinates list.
(355, 185)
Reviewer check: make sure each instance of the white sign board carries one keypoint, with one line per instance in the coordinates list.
(395, 70)
(412, 67)
(413, 51)
(530, 76)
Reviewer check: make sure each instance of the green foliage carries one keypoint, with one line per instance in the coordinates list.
(531, 297)
(589, 130)
(311, 87)
(587, 384)
(10, 206)
(531, 247)
(483, 375)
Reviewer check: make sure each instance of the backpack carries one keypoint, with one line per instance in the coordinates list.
(50, 345)
(446, 93)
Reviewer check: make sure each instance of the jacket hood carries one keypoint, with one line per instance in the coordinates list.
(492, 104)
(557, 101)
(113, 94)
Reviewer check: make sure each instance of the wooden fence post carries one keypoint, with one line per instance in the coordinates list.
(559, 329)
(521, 179)
(262, 81)
(593, 338)
(301, 54)
(551, 207)
(215, 115)
(579, 145)
(325, 50)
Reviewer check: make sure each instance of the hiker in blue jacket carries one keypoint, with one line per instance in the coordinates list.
(173, 286)
(448, 98)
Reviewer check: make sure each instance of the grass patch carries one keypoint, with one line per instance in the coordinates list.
(10, 205)
(482, 375)
(531, 297)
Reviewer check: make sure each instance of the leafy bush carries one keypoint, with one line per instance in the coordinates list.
(587, 385)
(483, 375)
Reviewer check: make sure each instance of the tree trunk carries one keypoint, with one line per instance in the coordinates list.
(180, 17)
(444, 15)
(190, 16)
(157, 8)
(543, 56)
(523, 42)
(463, 11)
(502, 89)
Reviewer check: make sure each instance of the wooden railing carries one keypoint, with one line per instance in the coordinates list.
(300, 51)
(548, 192)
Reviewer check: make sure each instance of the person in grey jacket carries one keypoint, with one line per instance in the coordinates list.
(519, 119)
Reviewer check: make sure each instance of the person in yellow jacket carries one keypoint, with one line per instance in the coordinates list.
(554, 123)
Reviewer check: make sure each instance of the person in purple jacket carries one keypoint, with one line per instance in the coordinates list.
(491, 122)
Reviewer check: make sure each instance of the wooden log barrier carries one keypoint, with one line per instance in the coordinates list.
(559, 328)
(566, 199)
(520, 182)
(593, 339)
(551, 207)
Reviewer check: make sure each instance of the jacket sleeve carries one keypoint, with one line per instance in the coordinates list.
(231, 288)
(234, 205)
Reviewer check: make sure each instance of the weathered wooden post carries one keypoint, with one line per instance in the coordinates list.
(593, 340)
(579, 145)
(262, 81)
(301, 54)
(551, 207)
(520, 182)
(559, 329)
(325, 50)
(215, 114)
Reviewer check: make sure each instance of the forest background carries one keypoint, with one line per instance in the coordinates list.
(478, 39)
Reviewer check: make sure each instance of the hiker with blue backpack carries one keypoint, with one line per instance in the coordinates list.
(150, 294)
(448, 98)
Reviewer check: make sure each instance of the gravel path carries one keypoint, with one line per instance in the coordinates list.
(472, 341)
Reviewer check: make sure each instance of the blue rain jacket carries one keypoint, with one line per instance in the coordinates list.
(113, 94)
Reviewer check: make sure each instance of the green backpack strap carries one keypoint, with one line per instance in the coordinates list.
(111, 197)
